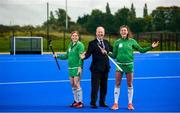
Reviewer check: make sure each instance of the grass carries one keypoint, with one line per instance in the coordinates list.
(4, 44)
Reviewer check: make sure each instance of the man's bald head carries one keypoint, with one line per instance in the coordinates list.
(100, 32)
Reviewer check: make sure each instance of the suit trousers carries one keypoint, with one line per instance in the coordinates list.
(98, 80)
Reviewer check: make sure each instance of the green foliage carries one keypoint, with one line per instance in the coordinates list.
(57, 21)
(132, 12)
(95, 20)
(121, 17)
(108, 11)
(137, 25)
(145, 11)
(83, 20)
(148, 23)
(61, 17)
(166, 18)
(109, 21)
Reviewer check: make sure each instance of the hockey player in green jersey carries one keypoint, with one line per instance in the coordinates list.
(123, 53)
(75, 65)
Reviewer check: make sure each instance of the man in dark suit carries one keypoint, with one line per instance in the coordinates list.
(99, 67)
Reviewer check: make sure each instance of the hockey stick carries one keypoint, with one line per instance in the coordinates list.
(111, 59)
(54, 56)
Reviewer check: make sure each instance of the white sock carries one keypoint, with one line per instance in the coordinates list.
(130, 94)
(79, 95)
(116, 94)
(74, 93)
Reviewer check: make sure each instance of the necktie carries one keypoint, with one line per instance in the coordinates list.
(101, 44)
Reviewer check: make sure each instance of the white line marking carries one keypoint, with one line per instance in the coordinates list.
(86, 80)
(51, 60)
(25, 60)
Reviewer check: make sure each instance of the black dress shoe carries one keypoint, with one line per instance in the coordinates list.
(93, 105)
(103, 104)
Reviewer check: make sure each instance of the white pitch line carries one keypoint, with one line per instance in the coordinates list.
(26, 61)
(50, 60)
(160, 77)
(86, 80)
(34, 82)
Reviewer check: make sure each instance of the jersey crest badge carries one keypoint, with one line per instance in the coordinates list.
(120, 45)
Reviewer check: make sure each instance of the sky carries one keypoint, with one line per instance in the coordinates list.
(34, 12)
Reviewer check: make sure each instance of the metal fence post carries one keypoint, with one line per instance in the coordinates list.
(64, 40)
(161, 41)
(176, 41)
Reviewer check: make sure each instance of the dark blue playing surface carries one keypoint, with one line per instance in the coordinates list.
(34, 83)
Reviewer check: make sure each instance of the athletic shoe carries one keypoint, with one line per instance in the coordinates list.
(130, 107)
(74, 104)
(79, 105)
(115, 106)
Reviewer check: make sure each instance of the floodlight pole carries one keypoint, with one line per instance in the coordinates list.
(66, 17)
(47, 26)
(66, 27)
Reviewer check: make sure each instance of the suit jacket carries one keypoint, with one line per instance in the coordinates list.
(100, 62)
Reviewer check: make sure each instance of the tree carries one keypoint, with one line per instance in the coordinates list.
(166, 18)
(108, 11)
(52, 19)
(57, 22)
(158, 19)
(172, 22)
(132, 12)
(145, 11)
(61, 18)
(108, 21)
(52, 22)
(95, 20)
(148, 23)
(137, 25)
(27, 28)
(122, 17)
(5, 28)
(83, 20)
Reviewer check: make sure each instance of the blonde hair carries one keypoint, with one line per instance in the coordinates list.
(129, 35)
